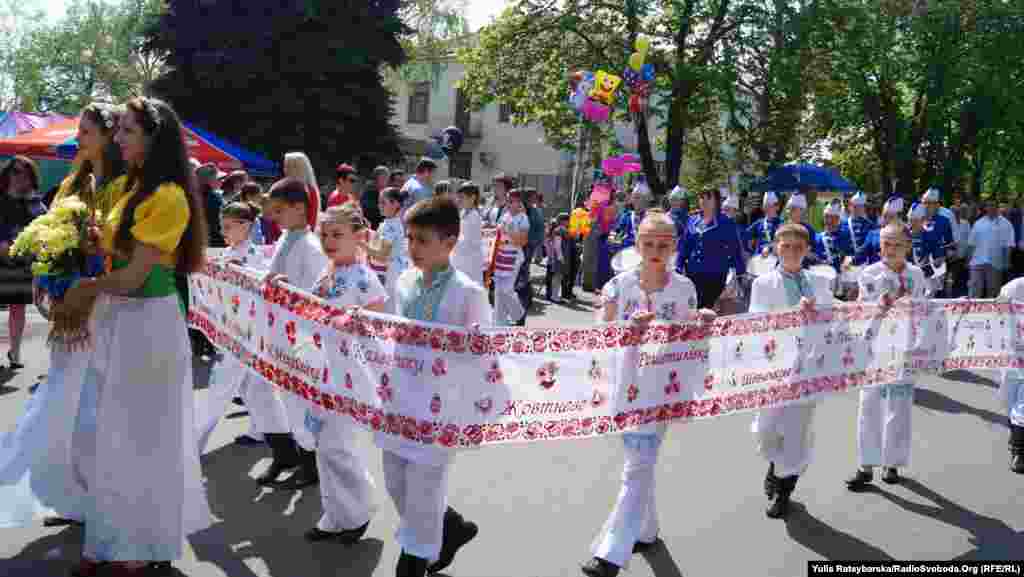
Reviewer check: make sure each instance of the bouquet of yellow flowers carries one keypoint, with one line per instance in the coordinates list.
(63, 246)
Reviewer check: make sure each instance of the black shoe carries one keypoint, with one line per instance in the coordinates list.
(305, 476)
(457, 532)
(248, 441)
(891, 476)
(1017, 464)
(780, 503)
(770, 481)
(346, 537)
(285, 454)
(14, 366)
(238, 401)
(860, 480)
(60, 522)
(641, 547)
(598, 567)
(410, 566)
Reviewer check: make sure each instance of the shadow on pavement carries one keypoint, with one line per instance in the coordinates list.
(826, 541)
(50, 556)
(969, 377)
(993, 539)
(937, 401)
(661, 561)
(269, 525)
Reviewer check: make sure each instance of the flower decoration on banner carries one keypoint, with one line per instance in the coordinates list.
(252, 309)
(270, 319)
(440, 367)
(597, 399)
(709, 382)
(384, 390)
(596, 373)
(673, 387)
(619, 165)
(546, 375)
(739, 350)
(290, 332)
(494, 375)
(317, 340)
(326, 376)
(848, 357)
(236, 303)
(484, 405)
(769, 349)
(435, 404)
(632, 392)
(348, 381)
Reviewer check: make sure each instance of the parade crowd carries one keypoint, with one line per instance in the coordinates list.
(111, 439)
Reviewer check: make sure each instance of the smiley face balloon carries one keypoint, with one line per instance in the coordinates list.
(605, 85)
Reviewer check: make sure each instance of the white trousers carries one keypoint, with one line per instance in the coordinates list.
(507, 307)
(266, 411)
(227, 381)
(635, 515)
(346, 486)
(1011, 391)
(785, 436)
(883, 425)
(420, 494)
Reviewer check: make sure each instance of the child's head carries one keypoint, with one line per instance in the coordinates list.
(236, 220)
(390, 201)
(251, 192)
(894, 245)
(432, 229)
(514, 201)
(442, 188)
(656, 239)
(341, 230)
(792, 241)
(288, 204)
(468, 195)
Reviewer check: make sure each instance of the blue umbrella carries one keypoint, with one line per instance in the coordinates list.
(792, 176)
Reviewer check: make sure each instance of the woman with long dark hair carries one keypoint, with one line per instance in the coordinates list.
(38, 455)
(19, 204)
(712, 247)
(146, 493)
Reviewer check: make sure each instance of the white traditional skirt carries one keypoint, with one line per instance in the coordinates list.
(41, 473)
(146, 492)
(506, 268)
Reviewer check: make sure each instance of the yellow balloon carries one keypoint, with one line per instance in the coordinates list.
(642, 45)
(636, 61)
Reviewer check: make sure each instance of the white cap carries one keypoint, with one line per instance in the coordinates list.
(893, 206)
(731, 202)
(931, 195)
(797, 201)
(677, 193)
(769, 198)
(832, 210)
(858, 199)
(917, 212)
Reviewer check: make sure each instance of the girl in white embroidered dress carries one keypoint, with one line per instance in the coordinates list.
(390, 244)
(652, 291)
(346, 487)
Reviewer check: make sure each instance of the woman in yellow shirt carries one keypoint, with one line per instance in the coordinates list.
(40, 448)
(146, 491)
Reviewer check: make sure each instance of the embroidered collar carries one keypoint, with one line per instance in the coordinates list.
(424, 300)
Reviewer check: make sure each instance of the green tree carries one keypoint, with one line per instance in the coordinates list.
(286, 76)
(94, 52)
(17, 19)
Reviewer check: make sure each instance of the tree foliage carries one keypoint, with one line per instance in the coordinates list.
(280, 76)
(95, 52)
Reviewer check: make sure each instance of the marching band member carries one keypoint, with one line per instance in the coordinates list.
(834, 243)
(731, 206)
(630, 220)
(795, 209)
(680, 214)
(883, 418)
(784, 435)
(712, 248)
(871, 251)
(1011, 390)
(761, 234)
(858, 227)
(941, 220)
(649, 292)
(926, 244)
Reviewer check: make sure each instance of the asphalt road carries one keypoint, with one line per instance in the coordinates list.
(540, 505)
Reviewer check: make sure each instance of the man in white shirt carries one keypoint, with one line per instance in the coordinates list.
(989, 244)
(1009, 237)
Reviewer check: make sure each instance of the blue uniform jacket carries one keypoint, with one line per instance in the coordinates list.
(762, 233)
(926, 243)
(834, 247)
(625, 229)
(713, 250)
(943, 230)
(859, 232)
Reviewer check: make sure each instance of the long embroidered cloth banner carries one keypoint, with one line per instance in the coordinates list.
(456, 388)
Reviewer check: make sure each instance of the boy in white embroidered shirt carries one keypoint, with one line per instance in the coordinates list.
(652, 291)
(346, 487)
(883, 417)
(297, 261)
(416, 475)
(784, 435)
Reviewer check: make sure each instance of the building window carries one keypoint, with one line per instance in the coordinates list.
(504, 112)
(462, 113)
(419, 103)
(460, 165)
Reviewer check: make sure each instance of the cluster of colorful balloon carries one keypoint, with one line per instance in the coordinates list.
(638, 76)
(619, 165)
(593, 95)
